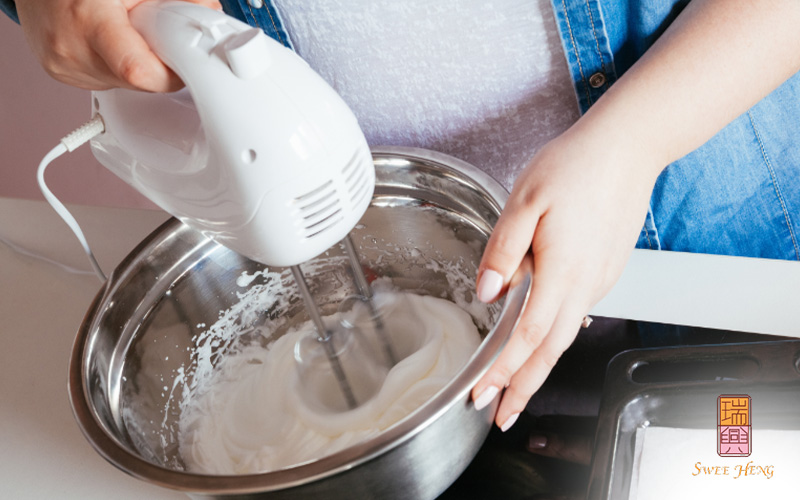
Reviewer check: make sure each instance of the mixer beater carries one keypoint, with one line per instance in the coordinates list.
(358, 370)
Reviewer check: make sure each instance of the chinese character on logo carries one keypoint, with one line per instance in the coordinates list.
(734, 438)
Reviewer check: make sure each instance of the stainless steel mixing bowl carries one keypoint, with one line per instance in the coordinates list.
(137, 349)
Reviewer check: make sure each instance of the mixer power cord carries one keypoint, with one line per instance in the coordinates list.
(70, 143)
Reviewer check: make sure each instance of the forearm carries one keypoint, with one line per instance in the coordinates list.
(717, 60)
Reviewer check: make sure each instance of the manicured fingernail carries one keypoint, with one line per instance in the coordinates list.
(537, 442)
(489, 286)
(486, 397)
(509, 422)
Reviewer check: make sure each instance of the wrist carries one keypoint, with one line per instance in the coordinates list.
(615, 148)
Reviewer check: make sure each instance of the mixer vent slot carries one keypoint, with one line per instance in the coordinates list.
(356, 179)
(312, 194)
(318, 210)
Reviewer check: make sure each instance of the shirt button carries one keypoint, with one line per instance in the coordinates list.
(597, 80)
(256, 4)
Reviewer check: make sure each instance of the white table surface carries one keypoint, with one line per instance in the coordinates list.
(42, 451)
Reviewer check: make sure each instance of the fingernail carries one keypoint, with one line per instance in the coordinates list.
(537, 442)
(508, 423)
(486, 397)
(490, 285)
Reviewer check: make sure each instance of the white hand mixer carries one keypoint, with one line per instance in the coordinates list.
(258, 153)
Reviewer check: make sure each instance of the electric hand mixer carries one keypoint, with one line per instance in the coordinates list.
(257, 153)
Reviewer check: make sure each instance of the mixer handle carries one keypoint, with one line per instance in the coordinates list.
(251, 149)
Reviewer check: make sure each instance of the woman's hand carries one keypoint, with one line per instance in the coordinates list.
(580, 214)
(580, 204)
(91, 44)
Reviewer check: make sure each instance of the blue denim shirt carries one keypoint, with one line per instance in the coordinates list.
(9, 8)
(738, 194)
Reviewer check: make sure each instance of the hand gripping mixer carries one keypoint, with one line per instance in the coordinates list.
(257, 153)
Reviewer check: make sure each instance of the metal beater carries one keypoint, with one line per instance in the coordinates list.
(327, 334)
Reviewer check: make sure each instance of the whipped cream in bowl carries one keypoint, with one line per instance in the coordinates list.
(252, 416)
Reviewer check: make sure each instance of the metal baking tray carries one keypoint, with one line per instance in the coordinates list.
(677, 387)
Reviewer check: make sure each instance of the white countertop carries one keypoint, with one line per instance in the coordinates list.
(42, 451)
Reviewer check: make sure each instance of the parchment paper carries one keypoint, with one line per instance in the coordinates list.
(679, 464)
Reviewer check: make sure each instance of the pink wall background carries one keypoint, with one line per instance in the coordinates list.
(35, 113)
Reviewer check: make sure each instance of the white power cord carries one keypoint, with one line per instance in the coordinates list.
(29, 253)
(71, 142)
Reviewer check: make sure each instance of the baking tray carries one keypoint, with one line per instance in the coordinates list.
(678, 387)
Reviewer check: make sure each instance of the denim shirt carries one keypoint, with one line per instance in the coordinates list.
(9, 8)
(738, 194)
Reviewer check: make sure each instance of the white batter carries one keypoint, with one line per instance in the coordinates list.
(252, 419)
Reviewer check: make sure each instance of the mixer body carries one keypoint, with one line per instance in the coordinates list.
(258, 152)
